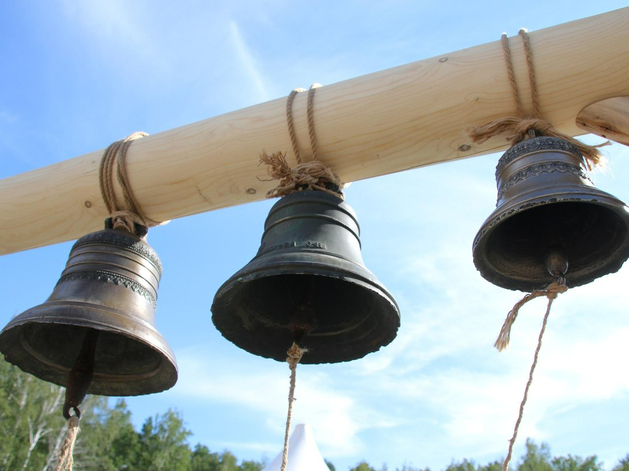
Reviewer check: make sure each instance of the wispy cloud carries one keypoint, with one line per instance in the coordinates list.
(248, 63)
(120, 41)
(336, 417)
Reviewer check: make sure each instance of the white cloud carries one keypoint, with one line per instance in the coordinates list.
(336, 417)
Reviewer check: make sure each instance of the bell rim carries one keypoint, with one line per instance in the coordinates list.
(389, 313)
(166, 372)
(512, 208)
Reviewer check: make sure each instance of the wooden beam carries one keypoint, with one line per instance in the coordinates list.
(389, 121)
(608, 118)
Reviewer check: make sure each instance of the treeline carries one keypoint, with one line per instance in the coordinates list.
(32, 431)
(536, 458)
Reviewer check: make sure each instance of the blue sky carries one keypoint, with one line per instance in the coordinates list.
(80, 75)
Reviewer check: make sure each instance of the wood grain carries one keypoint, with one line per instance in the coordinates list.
(608, 118)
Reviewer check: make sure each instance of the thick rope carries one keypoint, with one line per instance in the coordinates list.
(526, 41)
(504, 39)
(311, 175)
(132, 213)
(294, 356)
(310, 119)
(551, 293)
(66, 460)
(290, 123)
(505, 465)
(523, 127)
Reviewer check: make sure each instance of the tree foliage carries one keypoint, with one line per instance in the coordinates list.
(623, 464)
(536, 458)
(32, 430)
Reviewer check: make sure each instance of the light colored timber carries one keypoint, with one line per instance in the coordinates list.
(608, 118)
(389, 121)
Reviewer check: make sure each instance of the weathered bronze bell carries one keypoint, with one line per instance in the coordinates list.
(308, 283)
(105, 302)
(549, 214)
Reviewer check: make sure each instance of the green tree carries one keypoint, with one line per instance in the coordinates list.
(202, 460)
(406, 467)
(330, 465)
(537, 458)
(228, 462)
(464, 465)
(108, 441)
(576, 463)
(30, 418)
(251, 466)
(623, 464)
(362, 466)
(163, 444)
(494, 466)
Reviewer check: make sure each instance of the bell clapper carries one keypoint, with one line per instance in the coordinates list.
(304, 313)
(80, 376)
(556, 262)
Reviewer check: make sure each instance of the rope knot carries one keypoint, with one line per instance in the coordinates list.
(122, 218)
(555, 288)
(519, 129)
(295, 352)
(523, 127)
(313, 175)
(127, 220)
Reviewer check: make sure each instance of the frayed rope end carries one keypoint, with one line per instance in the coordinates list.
(517, 130)
(551, 292)
(313, 175)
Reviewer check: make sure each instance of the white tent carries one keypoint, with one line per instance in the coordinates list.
(303, 453)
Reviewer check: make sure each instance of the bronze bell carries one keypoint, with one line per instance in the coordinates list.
(550, 218)
(307, 283)
(107, 296)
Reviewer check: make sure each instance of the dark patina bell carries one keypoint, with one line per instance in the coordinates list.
(308, 284)
(550, 218)
(105, 302)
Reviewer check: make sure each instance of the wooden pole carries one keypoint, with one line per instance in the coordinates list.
(608, 118)
(389, 121)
